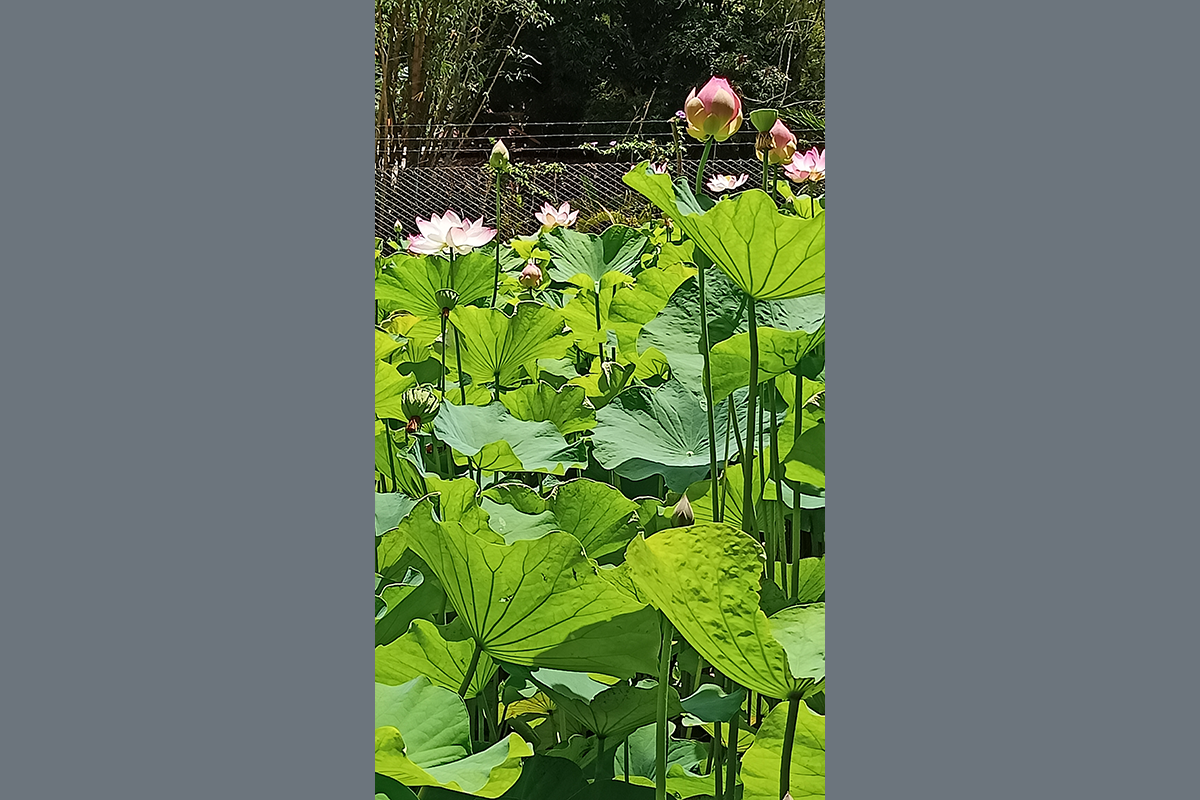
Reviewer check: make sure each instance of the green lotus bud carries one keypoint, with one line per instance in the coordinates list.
(446, 299)
(763, 119)
(683, 514)
(419, 405)
(499, 158)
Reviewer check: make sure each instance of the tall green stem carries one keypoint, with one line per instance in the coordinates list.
(748, 522)
(387, 437)
(789, 738)
(780, 545)
(718, 784)
(664, 685)
(462, 689)
(731, 757)
(496, 285)
(704, 347)
(462, 387)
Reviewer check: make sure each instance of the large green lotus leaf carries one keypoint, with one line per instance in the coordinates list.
(538, 602)
(542, 778)
(806, 460)
(664, 431)
(412, 283)
(779, 352)
(390, 508)
(441, 653)
(389, 385)
(596, 514)
(617, 249)
(710, 703)
(409, 589)
(613, 711)
(514, 525)
(580, 316)
(603, 384)
(458, 501)
(812, 580)
(705, 578)
(517, 495)
(634, 306)
(422, 738)
(768, 254)
(762, 762)
(539, 402)
(497, 441)
(801, 631)
(385, 345)
(497, 347)
(389, 789)
(684, 753)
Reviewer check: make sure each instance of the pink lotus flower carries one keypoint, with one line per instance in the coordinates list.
(551, 217)
(659, 169)
(725, 183)
(779, 144)
(449, 234)
(531, 276)
(808, 166)
(715, 111)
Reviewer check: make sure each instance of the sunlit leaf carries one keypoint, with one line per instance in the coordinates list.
(762, 762)
(497, 441)
(538, 602)
(768, 254)
(411, 285)
(705, 578)
(440, 652)
(576, 255)
(497, 347)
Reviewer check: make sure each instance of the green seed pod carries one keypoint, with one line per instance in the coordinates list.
(764, 119)
(446, 298)
(419, 403)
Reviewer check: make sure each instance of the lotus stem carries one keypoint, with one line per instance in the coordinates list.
(445, 366)
(731, 757)
(387, 437)
(496, 285)
(462, 689)
(706, 374)
(664, 685)
(462, 387)
(789, 738)
(599, 757)
(779, 535)
(748, 523)
(627, 759)
(718, 783)
(599, 329)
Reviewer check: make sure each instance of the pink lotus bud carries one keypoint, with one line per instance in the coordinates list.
(715, 111)
(659, 169)
(782, 144)
(531, 276)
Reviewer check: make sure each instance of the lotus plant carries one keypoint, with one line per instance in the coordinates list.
(777, 144)
(551, 217)
(498, 161)
(448, 234)
(809, 166)
(726, 183)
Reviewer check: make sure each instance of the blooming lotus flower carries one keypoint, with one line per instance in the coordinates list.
(551, 217)
(808, 166)
(779, 144)
(449, 234)
(531, 276)
(715, 111)
(725, 183)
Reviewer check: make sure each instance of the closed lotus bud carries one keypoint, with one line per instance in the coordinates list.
(446, 299)
(779, 144)
(531, 276)
(419, 405)
(499, 158)
(683, 514)
(715, 111)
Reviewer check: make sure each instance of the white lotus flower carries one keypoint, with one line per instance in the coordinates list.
(551, 217)
(448, 233)
(725, 183)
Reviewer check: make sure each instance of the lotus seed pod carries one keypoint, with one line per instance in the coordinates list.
(683, 514)
(446, 299)
(419, 406)
(763, 119)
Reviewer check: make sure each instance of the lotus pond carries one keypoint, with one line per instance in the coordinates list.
(600, 493)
